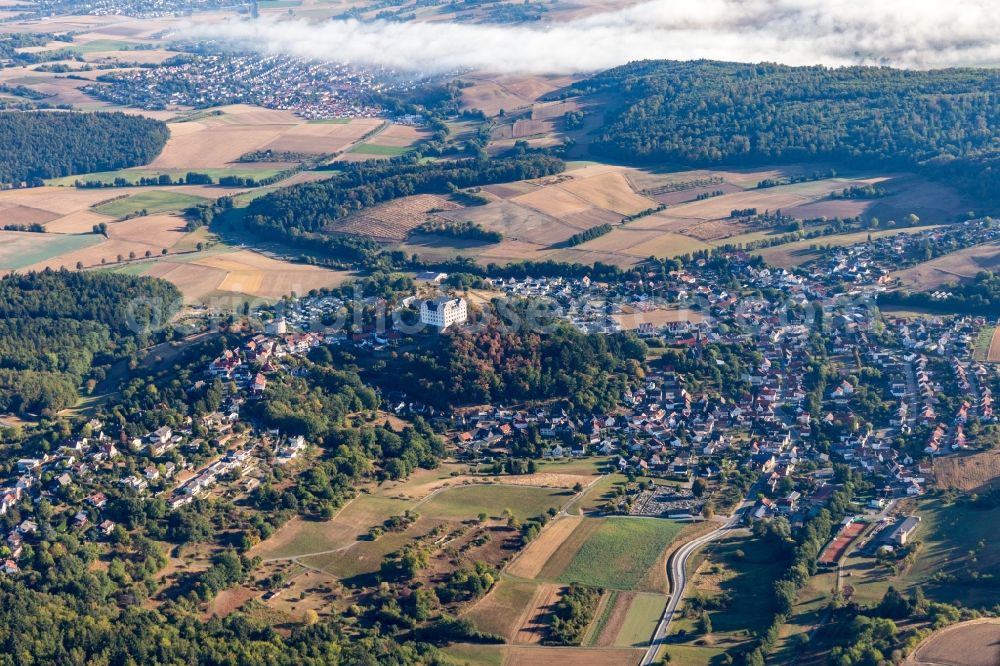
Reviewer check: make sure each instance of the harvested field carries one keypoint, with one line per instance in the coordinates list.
(322, 139)
(546, 480)
(524, 128)
(973, 643)
(610, 191)
(394, 220)
(994, 352)
(557, 656)
(195, 282)
(17, 214)
(837, 548)
(957, 266)
(977, 472)
(400, 136)
(81, 222)
(200, 144)
(256, 274)
(155, 231)
(554, 201)
(502, 611)
(630, 321)
(490, 93)
(535, 619)
(532, 560)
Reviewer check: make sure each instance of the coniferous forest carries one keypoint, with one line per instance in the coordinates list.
(42, 144)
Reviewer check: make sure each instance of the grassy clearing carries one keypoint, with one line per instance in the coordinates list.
(299, 537)
(329, 121)
(102, 45)
(809, 612)
(154, 201)
(691, 655)
(374, 149)
(598, 494)
(465, 654)
(981, 351)
(466, 502)
(620, 552)
(641, 620)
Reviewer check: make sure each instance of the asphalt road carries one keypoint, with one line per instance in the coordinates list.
(677, 572)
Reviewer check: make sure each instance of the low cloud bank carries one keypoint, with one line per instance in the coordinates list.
(903, 33)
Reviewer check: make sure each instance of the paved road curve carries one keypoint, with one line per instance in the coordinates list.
(677, 570)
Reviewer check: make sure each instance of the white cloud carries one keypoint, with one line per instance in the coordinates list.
(903, 33)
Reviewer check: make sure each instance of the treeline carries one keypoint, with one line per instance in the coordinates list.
(315, 207)
(58, 329)
(589, 234)
(868, 191)
(38, 145)
(468, 230)
(705, 112)
(86, 625)
(803, 547)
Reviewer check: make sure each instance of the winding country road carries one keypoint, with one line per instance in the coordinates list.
(677, 572)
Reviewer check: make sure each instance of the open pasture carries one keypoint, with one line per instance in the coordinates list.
(152, 201)
(465, 502)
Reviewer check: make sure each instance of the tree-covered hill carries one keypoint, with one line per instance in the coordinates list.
(58, 329)
(44, 144)
(704, 112)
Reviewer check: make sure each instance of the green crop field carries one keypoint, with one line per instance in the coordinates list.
(372, 149)
(620, 552)
(465, 502)
(641, 620)
(19, 249)
(154, 201)
(329, 121)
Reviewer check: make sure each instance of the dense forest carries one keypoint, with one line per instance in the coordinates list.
(55, 327)
(587, 372)
(313, 207)
(37, 145)
(704, 112)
